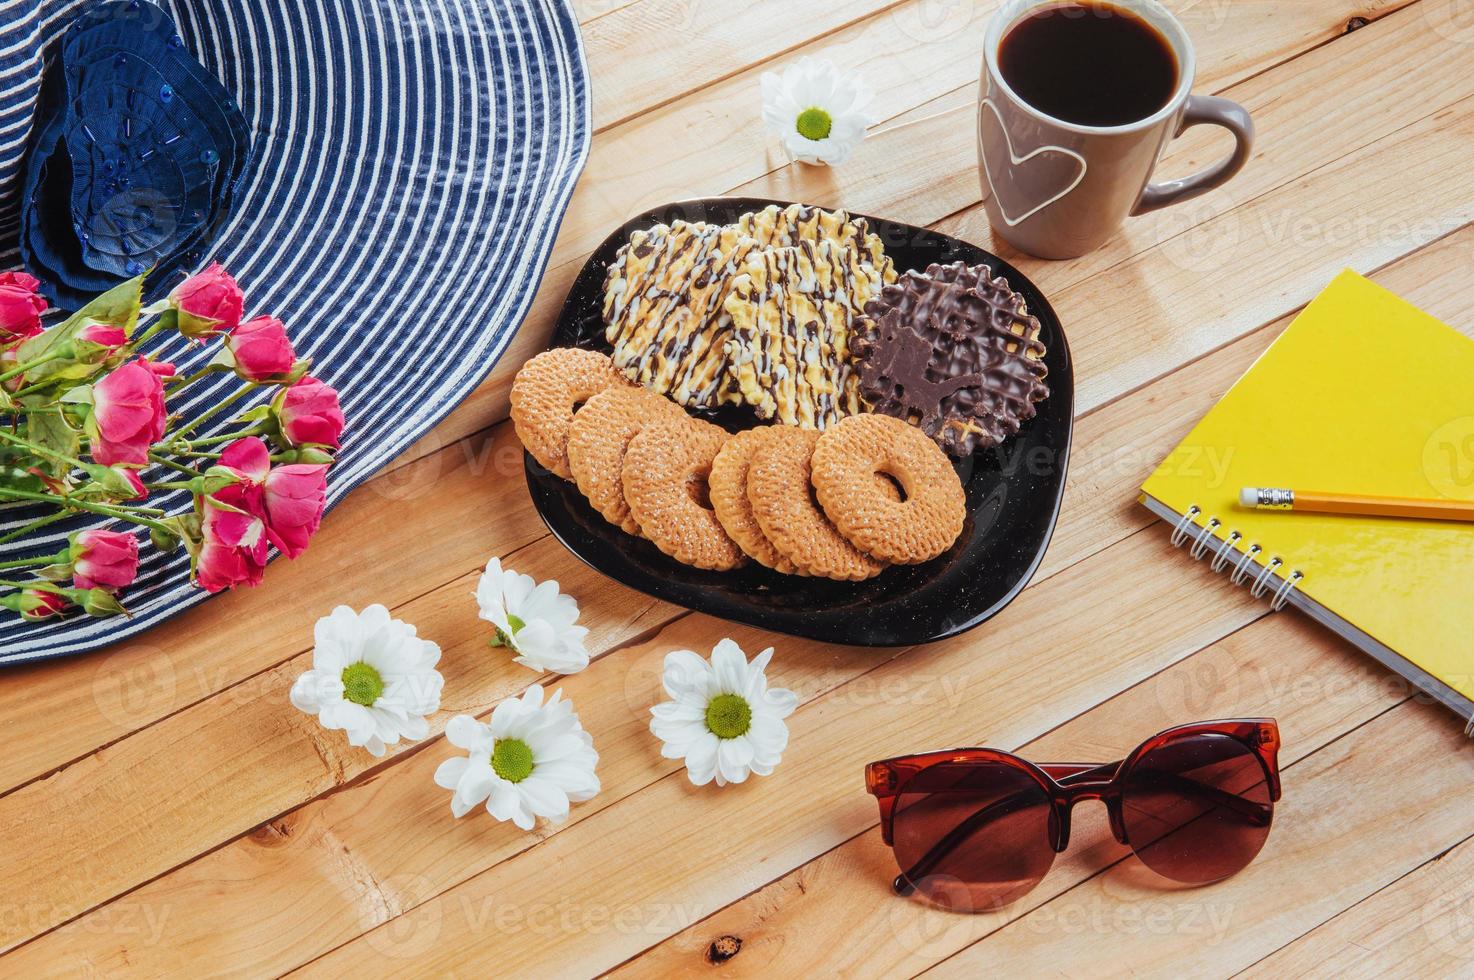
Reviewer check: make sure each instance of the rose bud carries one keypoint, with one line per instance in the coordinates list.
(296, 495)
(100, 602)
(104, 559)
(35, 604)
(127, 415)
(208, 302)
(308, 414)
(20, 306)
(261, 349)
(96, 342)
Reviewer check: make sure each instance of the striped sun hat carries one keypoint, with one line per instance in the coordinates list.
(413, 160)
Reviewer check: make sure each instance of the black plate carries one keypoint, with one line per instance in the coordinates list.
(1013, 491)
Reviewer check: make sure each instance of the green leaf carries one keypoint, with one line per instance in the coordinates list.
(80, 395)
(118, 306)
(50, 429)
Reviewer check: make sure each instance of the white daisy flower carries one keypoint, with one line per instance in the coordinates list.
(537, 622)
(372, 677)
(531, 761)
(722, 719)
(819, 112)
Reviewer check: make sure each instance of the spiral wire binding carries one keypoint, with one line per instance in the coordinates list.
(1243, 572)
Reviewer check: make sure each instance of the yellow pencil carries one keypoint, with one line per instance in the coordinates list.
(1265, 498)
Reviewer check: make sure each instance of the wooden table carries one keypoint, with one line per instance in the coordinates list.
(163, 808)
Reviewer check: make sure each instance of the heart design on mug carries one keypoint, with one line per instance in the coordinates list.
(1052, 171)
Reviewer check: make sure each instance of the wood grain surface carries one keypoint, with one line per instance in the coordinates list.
(164, 810)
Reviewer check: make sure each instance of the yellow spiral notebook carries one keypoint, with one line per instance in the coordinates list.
(1363, 393)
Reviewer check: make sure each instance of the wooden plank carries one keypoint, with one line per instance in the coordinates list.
(145, 680)
(651, 53)
(1282, 667)
(1278, 668)
(1416, 926)
(246, 756)
(1103, 509)
(1304, 875)
(1144, 457)
(656, 860)
(712, 143)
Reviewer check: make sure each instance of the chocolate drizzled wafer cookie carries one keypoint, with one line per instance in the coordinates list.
(954, 352)
(775, 227)
(792, 310)
(663, 309)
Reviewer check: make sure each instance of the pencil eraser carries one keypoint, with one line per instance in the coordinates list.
(1249, 497)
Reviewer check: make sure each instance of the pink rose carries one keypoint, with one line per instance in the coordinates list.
(309, 414)
(295, 497)
(104, 559)
(208, 302)
(233, 549)
(248, 459)
(20, 306)
(261, 349)
(127, 414)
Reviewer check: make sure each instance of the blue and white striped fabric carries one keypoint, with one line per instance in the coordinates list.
(414, 159)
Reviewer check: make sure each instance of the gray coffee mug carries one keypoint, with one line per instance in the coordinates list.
(1057, 189)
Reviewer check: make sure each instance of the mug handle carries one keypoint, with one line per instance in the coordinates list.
(1198, 110)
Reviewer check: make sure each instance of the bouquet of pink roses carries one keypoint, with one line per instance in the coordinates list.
(85, 428)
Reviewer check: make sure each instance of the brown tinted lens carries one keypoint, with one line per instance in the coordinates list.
(972, 836)
(1197, 809)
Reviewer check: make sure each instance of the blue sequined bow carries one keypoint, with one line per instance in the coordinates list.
(135, 155)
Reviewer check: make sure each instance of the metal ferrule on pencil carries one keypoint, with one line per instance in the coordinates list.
(1268, 497)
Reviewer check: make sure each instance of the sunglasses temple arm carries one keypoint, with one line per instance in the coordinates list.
(954, 837)
(1258, 813)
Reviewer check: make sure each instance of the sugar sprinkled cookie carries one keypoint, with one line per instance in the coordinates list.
(919, 526)
(779, 489)
(545, 393)
(598, 439)
(792, 310)
(728, 482)
(664, 310)
(665, 475)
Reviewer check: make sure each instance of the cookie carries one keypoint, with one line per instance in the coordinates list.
(665, 475)
(545, 394)
(953, 351)
(597, 441)
(777, 227)
(783, 503)
(728, 483)
(791, 311)
(664, 310)
(920, 526)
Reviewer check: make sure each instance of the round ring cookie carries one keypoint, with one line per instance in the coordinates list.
(666, 470)
(784, 505)
(728, 482)
(848, 459)
(545, 393)
(598, 438)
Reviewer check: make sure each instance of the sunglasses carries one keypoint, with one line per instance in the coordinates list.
(975, 829)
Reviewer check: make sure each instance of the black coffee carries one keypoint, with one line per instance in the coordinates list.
(1094, 64)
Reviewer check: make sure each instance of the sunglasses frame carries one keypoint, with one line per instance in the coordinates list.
(1068, 783)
